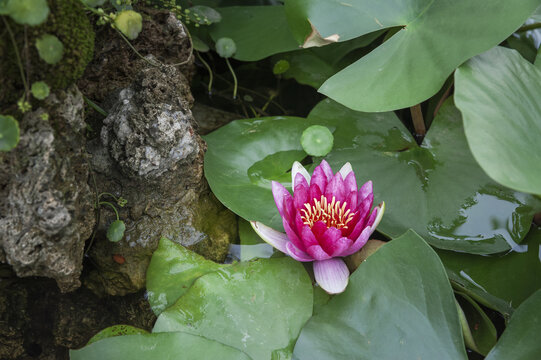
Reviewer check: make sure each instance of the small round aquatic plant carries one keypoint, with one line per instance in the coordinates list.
(327, 218)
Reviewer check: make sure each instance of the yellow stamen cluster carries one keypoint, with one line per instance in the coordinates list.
(332, 214)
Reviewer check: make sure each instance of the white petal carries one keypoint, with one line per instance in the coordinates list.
(345, 170)
(379, 216)
(296, 169)
(275, 238)
(332, 275)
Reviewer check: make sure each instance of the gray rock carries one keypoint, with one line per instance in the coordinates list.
(47, 212)
(149, 154)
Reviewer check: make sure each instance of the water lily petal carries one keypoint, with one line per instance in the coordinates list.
(308, 237)
(319, 229)
(292, 235)
(329, 237)
(332, 275)
(346, 170)
(379, 210)
(351, 201)
(365, 206)
(300, 180)
(315, 193)
(300, 195)
(336, 188)
(297, 254)
(350, 183)
(364, 191)
(279, 192)
(317, 252)
(326, 169)
(297, 168)
(289, 210)
(319, 178)
(275, 238)
(359, 243)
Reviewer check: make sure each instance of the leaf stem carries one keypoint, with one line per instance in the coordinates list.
(19, 62)
(205, 64)
(111, 205)
(418, 121)
(235, 84)
(528, 27)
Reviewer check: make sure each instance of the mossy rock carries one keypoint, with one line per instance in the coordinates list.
(70, 24)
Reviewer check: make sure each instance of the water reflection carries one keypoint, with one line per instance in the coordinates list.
(485, 216)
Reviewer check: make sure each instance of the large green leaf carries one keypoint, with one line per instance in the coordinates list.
(258, 31)
(436, 37)
(315, 65)
(258, 307)
(437, 189)
(398, 305)
(520, 340)
(498, 94)
(163, 346)
(171, 272)
(503, 281)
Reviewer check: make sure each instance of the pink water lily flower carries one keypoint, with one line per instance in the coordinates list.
(327, 218)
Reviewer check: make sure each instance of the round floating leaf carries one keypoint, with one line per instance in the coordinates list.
(498, 94)
(398, 305)
(115, 233)
(28, 12)
(280, 67)
(415, 62)
(157, 346)
(520, 340)
(258, 31)
(258, 307)
(171, 272)
(225, 47)
(130, 23)
(317, 140)
(204, 15)
(116, 330)
(40, 90)
(501, 282)
(9, 132)
(436, 188)
(50, 49)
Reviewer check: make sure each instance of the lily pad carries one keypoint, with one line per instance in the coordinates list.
(317, 140)
(171, 272)
(157, 346)
(315, 65)
(398, 301)
(498, 94)
(520, 340)
(258, 31)
(258, 307)
(501, 282)
(9, 132)
(437, 188)
(415, 62)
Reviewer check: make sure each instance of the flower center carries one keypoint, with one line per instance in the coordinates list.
(332, 214)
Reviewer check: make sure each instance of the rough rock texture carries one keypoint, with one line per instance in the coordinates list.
(39, 322)
(47, 210)
(115, 63)
(149, 154)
